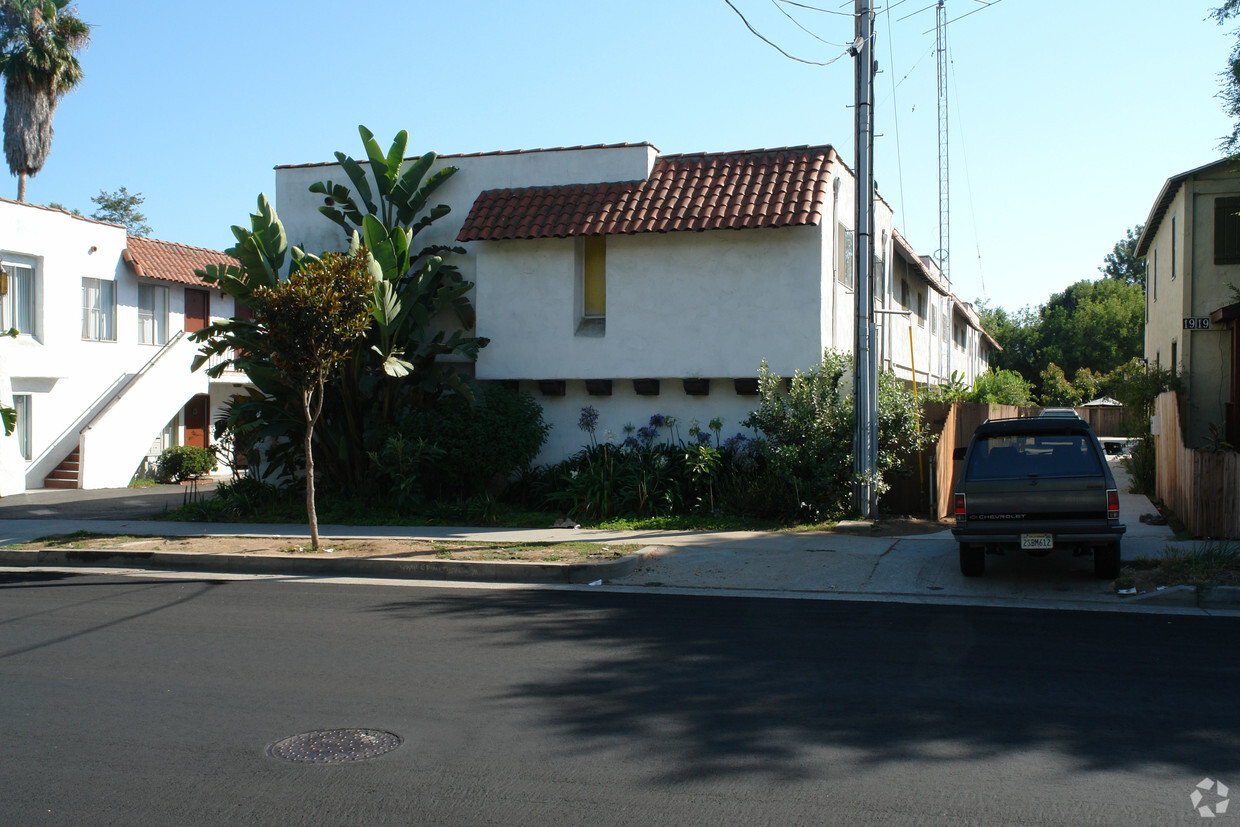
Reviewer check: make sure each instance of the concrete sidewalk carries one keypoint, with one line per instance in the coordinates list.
(839, 563)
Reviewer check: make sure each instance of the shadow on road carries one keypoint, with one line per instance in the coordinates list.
(721, 687)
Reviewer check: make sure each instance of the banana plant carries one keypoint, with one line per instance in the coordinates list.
(397, 366)
(402, 195)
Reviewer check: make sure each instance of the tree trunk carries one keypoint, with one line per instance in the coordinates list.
(21, 185)
(310, 512)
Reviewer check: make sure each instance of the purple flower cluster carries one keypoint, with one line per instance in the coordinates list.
(646, 435)
(703, 438)
(588, 419)
(657, 421)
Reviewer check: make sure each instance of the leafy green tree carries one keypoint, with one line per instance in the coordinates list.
(1002, 387)
(1136, 384)
(312, 321)
(1123, 263)
(121, 208)
(401, 367)
(1231, 78)
(1094, 324)
(39, 40)
(1057, 390)
(1019, 334)
(395, 367)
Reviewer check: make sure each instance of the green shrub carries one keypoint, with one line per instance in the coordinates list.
(1002, 387)
(1141, 467)
(183, 462)
(456, 447)
(808, 432)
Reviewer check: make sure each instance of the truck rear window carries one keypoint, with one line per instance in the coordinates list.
(1043, 455)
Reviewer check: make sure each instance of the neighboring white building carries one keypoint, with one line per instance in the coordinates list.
(100, 373)
(928, 333)
(637, 283)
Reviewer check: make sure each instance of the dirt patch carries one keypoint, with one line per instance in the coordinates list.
(331, 548)
(905, 527)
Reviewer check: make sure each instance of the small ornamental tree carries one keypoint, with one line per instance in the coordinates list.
(312, 320)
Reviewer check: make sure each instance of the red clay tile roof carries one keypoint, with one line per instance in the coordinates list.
(168, 261)
(479, 154)
(724, 191)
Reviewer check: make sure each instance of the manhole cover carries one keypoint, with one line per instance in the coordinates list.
(335, 746)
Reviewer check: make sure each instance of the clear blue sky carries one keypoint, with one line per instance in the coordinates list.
(1067, 116)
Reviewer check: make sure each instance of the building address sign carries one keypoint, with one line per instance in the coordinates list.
(1196, 322)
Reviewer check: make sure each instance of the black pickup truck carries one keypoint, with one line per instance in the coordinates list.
(1037, 484)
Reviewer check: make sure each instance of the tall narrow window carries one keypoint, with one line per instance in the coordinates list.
(595, 278)
(1154, 273)
(16, 297)
(905, 301)
(98, 310)
(152, 314)
(921, 308)
(844, 242)
(1173, 245)
(22, 432)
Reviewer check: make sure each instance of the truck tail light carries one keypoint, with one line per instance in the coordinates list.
(960, 507)
(1112, 504)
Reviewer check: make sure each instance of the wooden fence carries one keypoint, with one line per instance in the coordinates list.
(925, 484)
(1200, 487)
(1108, 420)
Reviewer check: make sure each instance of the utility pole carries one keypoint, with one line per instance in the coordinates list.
(865, 381)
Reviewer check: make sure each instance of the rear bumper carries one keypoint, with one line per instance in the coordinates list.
(1062, 533)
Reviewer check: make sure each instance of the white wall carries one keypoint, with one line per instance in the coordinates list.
(678, 305)
(70, 379)
(624, 406)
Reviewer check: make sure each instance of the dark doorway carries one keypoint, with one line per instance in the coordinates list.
(197, 307)
(196, 420)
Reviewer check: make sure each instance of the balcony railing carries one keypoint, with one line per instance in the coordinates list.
(219, 359)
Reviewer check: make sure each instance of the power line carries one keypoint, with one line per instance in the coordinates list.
(964, 152)
(966, 14)
(816, 8)
(915, 13)
(770, 43)
(895, 118)
(797, 23)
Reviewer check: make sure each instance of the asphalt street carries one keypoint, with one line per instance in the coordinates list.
(155, 699)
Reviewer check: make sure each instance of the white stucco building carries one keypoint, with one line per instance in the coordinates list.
(638, 283)
(99, 373)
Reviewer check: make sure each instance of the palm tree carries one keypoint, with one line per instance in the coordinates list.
(38, 42)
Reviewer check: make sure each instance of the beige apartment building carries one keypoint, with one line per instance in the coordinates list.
(1191, 245)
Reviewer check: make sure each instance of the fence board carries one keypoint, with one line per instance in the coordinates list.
(1200, 487)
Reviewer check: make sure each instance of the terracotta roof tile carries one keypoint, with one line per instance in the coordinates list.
(734, 191)
(168, 261)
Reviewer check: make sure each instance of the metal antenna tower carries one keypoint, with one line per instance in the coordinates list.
(943, 254)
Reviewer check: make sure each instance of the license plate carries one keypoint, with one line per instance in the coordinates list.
(1037, 541)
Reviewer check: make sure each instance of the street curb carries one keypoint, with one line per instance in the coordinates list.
(460, 570)
(1204, 597)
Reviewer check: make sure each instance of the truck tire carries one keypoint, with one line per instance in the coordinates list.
(1106, 562)
(972, 560)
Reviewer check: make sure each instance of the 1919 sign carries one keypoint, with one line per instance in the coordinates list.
(1197, 323)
